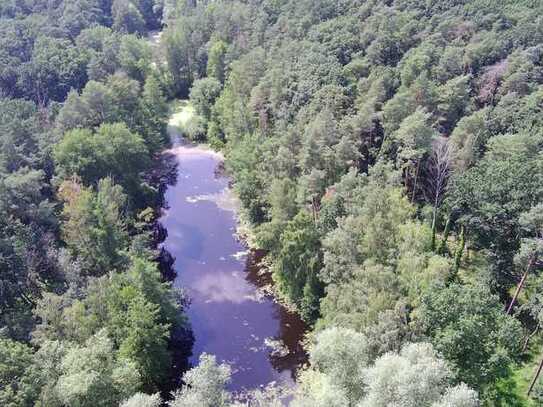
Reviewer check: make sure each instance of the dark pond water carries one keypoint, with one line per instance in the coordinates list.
(230, 316)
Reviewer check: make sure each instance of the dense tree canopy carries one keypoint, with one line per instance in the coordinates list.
(86, 318)
(388, 158)
(387, 155)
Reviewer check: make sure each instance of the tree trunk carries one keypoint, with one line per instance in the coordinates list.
(443, 245)
(536, 376)
(434, 221)
(381, 147)
(415, 183)
(459, 252)
(527, 340)
(26, 298)
(314, 209)
(521, 283)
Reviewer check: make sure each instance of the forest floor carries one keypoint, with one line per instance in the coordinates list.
(522, 376)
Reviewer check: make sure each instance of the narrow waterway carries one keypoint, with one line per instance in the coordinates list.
(230, 314)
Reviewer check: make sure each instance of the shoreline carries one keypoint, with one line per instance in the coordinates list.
(244, 232)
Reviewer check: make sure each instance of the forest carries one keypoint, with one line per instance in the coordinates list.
(388, 155)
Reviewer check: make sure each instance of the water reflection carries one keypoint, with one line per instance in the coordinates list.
(224, 287)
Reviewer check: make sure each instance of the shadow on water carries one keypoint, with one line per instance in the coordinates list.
(180, 343)
(292, 327)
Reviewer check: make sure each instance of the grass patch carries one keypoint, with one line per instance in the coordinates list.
(512, 390)
(184, 112)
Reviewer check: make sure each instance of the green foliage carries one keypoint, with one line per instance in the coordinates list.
(414, 377)
(142, 400)
(204, 385)
(330, 136)
(154, 110)
(216, 64)
(297, 263)
(23, 140)
(490, 209)
(99, 103)
(377, 257)
(135, 326)
(203, 94)
(95, 228)
(317, 389)
(15, 361)
(102, 46)
(64, 215)
(41, 50)
(244, 162)
(135, 57)
(80, 375)
(120, 99)
(327, 111)
(469, 328)
(137, 309)
(468, 137)
(341, 354)
(56, 67)
(185, 62)
(195, 129)
(413, 138)
(92, 376)
(126, 17)
(78, 15)
(113, 149)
